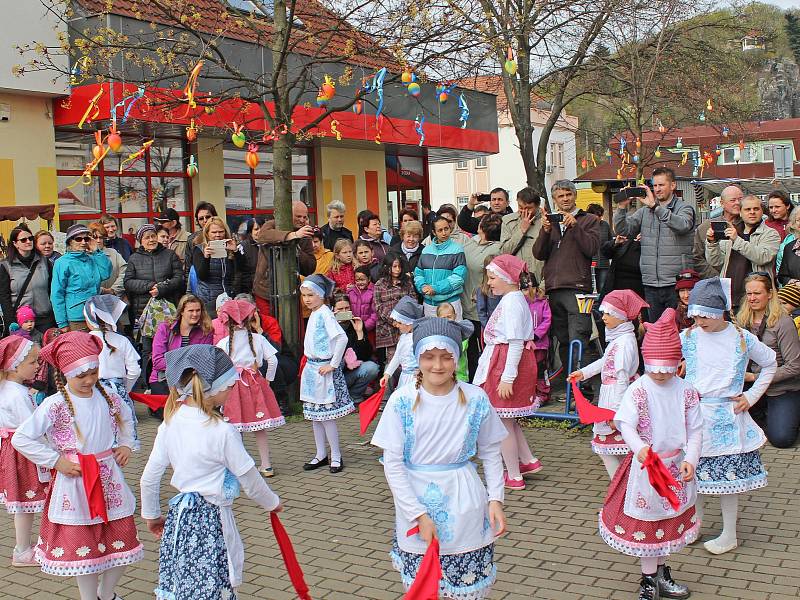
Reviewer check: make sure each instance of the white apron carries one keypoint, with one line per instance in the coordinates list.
(644, 503)
(726, 432)
(316, 388)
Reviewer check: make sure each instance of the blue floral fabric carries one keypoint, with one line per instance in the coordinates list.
(193, 565)
(731, 473)
(437, 505)
(117, 386)
(467, 576)
(341, 407)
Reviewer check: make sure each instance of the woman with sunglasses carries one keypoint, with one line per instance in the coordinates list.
(25, 264)
(77, 277)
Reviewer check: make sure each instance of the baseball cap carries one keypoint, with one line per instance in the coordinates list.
(170, 214)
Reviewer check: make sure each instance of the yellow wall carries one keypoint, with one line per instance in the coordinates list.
(27, 155)
(209, 184)
(341, 174)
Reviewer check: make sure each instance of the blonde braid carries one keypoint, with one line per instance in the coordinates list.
(61, 385)
(741, 336)
(417, 385)
(250, 340)
(104, 393)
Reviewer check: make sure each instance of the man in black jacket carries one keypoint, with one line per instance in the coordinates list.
(359, 369)
(334, 229)
(498, 204)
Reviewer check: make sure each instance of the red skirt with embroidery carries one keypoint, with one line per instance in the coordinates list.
(20, 488)
(523, 401)
(251, 404)
(635, 537)
(71, 550)
(610, 444)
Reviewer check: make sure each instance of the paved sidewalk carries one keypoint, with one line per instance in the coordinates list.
(341, 527)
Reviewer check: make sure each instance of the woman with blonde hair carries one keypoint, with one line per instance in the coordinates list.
(762, 314)
(215, 274)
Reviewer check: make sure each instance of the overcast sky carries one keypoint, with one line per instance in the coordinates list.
(785, 3)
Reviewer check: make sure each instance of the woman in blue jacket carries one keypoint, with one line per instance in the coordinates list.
(441, 270)
(76, 278)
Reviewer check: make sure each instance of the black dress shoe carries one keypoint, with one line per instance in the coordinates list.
(339, 468)
(312, 466)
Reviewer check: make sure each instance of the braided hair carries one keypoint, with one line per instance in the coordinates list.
(61, 385)
(462, 397)
(103, 330)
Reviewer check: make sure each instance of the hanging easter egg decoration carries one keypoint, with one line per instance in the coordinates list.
(114, 140)
(741, 145)
(622, 144)
(511, 65)
(407, 76)
(443, 92)
(210, 110)
(636, 158)
(709, 106)
(608, 155)
(661, 128)
(191, 132)
(694, 172)
(358, 107)
(328, 88)
(657, 153)
(638, 143)
(718, 151)
(237, 137)
(251, 158)
(702, 116)
(679, 143)
(584, 163)
(725, 132)
(99, 148)
(709, 158)
(191, 168)
(414, 89)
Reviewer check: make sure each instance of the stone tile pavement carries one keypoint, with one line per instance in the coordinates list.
(341, 527)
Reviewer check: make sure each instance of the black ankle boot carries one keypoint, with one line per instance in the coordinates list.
(668, 587)
(648, 588)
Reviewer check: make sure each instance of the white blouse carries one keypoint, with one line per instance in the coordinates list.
(325, 340)
(511, 323)
(16, 404)
(242, 355)
(122, 363)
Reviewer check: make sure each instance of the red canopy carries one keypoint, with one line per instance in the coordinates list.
(30, 212)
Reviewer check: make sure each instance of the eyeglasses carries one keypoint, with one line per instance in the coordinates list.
(25, 239)
(204, 218)
(81, 238)
(685, 276)
(97, 236)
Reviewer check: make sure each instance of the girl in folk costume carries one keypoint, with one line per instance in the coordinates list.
(617, 368)
(119, 362)
(507, 354)
(201, 555)
(85, 434)
(429, 432)
(251, 405)
(404, 314)
(717, 354)
(660, 420)
(323, 389)
(22, 491)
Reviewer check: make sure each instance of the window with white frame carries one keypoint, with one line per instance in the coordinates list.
(733, 155)
(462, 201)
(461, 164)
(557, 155)
(480, 162)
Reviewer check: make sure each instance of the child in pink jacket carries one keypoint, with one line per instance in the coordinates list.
(540, 311)
(361, 302)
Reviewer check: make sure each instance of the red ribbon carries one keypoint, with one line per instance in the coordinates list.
(289, 557)
(368, 409)
(90, 474)
(661, 479)
(588, 412)
(152, 401)
(303, 362)
(426, 583)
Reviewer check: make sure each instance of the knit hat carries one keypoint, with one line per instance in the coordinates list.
(221, 299)
(435, 332)
(25, 313)
(406, 311)
(103, 308)
(710, 298)
(790, 294)
(211, 364)
(319, 284)
(507, 267)
(13, 350)
(687, 279)
(623, 304)
(661, 348)
(75, 230)
(238, 311)
(147, 227)
(73, 353)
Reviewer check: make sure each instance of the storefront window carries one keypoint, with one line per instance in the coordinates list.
(145, 187)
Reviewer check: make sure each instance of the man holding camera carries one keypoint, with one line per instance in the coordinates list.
(730, 199)
(498, 204)
(568, 240)
(521, 229)
(667, 227)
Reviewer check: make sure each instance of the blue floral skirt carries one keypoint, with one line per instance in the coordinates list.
(343, 405)
(730, 474)
(117, 386)
(467, 576)
(193, 564)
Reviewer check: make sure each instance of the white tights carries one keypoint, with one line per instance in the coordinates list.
(263, 448)
(107, 580)
(611, 462)
(23, 525)
(327, 430)
(729, 506)
(515, 449)
(650, 564)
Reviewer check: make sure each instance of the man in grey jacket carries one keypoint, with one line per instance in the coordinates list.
(667, 226)
(731, 202)
(521, 229)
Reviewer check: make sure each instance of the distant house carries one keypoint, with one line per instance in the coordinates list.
(753, 41)
(454, 181)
